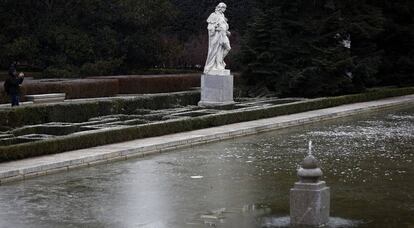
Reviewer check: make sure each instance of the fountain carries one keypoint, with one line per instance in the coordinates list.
(310, 197)
(369, 169)
(309, 201)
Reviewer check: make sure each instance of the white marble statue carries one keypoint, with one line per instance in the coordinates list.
(218, 42)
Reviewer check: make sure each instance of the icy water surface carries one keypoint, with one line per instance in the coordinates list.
(367, 161)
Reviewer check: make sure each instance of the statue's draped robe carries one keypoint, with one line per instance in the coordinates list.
(218, 42)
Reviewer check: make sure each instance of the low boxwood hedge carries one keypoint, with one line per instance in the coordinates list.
(75, 142)
(82, 111)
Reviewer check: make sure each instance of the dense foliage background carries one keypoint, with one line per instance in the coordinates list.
(291, 47)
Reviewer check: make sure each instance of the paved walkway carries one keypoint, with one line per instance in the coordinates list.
(32, 167)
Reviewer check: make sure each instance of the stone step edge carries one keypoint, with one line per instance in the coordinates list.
(142, 151)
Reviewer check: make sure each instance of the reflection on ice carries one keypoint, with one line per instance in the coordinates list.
(196, 177)
(367, 161)
(284, 222)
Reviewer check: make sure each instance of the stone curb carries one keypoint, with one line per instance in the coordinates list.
(39, 166)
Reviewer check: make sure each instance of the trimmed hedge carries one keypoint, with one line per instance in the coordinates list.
(140, 84)
(107, 86)
(68, 143)
(82, 111)
(89, 88)
(77, 88)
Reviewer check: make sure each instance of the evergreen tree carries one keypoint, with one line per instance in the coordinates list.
(302, 48)
(364, 22)
(397, 41)
(68, 38)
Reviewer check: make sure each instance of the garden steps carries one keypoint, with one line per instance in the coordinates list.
(46, 98)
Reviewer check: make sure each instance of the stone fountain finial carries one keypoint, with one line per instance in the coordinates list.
(310, 197)
(310, 171)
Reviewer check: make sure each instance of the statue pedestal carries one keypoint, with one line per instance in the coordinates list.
(216, 89)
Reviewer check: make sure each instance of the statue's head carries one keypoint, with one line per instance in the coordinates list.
(221, 7)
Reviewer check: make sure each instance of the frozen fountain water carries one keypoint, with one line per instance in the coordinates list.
(367, 160)
(309, 200)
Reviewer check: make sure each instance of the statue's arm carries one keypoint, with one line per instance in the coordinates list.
(213, 24)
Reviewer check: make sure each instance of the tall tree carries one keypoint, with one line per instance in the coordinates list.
(303, 47)
(80, 36)
(397, 41)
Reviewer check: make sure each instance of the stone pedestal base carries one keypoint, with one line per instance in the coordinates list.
(216, 90)
(309, 204)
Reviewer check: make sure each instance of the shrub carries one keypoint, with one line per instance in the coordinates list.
(89, 88)
(139, 84)
(3, 96)
(104, 67)
(159, 71)
(60, 72)
(79, 88)
(83, 110)
(105, 86)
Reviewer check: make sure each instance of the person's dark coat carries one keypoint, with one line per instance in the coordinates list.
(12, 70)
(12, 85)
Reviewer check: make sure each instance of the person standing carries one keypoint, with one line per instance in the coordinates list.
(12, 85)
